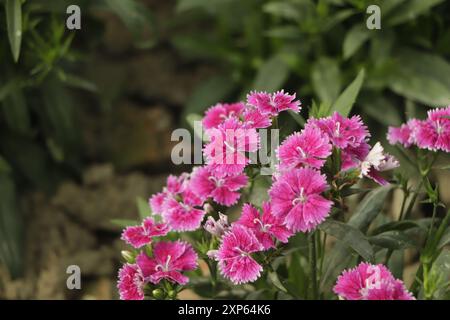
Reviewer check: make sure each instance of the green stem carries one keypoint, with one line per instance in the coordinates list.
(313, 265)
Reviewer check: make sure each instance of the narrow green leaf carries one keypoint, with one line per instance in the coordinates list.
(124, 222)
(14, 24)
(143, 208)
(350, 236)
(393, 240)
(345, 102)
(396, 226)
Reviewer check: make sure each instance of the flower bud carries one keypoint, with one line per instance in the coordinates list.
(172, 294)
(128, 256)
(158, 294)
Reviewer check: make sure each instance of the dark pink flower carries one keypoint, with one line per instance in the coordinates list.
(234, 255)
(353, 156)
(216, 115)
(226, 152)
(308, 148)
(169, 260)
(273, 103)
(265, 226)
(296, 198)
(205, 183)
(183, 212)
(370, 282)
(342, 132)
(434, 133)
(253, 118)
(131, 282)
(139, 236)
(401, 135)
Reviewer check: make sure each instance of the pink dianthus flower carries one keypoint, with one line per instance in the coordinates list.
(274, 103)
(131, 282)
(139, 236)
(296, 197)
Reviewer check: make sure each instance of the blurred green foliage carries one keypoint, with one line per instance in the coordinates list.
(40, 141)
(317, 48)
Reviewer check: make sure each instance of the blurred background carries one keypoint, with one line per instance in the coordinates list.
(86, 115)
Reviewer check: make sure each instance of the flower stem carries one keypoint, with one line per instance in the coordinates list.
(313, 265)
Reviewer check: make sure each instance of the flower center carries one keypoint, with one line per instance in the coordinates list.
(241, 252)
(264, 227)
(217, 182)
(337, 131)
(301, 152)
(164, 267)
(301, 197)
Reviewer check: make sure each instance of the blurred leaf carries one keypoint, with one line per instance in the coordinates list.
(209, 92)
(272, 75)
(137, 18)
(326, 79)
(143, 208)
(13, 10)
(259, 191)
(184, 5)
(410, 10)
(297, 117)
(11, 227)
(15, 111)
(345, 102)
(354, 39)
(4, 166)
(283, 9)
(445, 240)
(350, 236)
(124, 222)
(380, 108)
(393, 240)
(77, 82)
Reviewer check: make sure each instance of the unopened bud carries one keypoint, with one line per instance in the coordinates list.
(128, 256)
(172, 294)
(158, 294)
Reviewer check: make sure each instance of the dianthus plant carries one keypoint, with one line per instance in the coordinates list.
(311, 230)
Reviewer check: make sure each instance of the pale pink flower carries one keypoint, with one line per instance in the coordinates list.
(434, 133)
(265, 226)
(273, 103)
(342, 132)
(370, 282)
(183, 212)
(296, 197)
(224, 190)
(139, 236)
(216, 115)
(234, 255)
(131, 282)
(308, 148)
(253, 118)
(169, 260)
(401, 135)
(217, 228)
(377, 161)
(156, 202)
(226, 152)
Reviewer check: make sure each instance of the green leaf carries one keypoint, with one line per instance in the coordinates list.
(354, 39)
(326, 79)
(410, 10)
(11, 227)
(396, 226)
(124, 222)
(393, 240)
(209, 92)
(345, 102)
(259, 191)
(350, 236)
(272, 75)
(184, 5)
(445, 240)
(13, 10)
(284, 9)
(15, 111)
(273, 277)
(297, 117)
(143, 208)
(369, 208)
